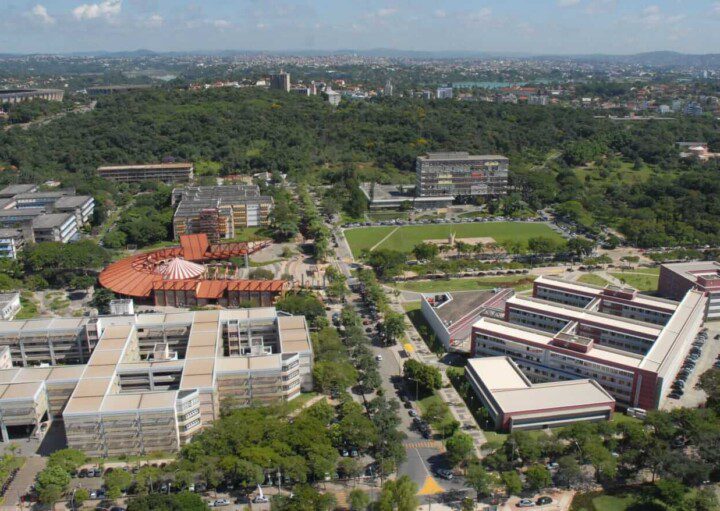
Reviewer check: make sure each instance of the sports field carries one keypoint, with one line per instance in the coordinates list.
(404, 238)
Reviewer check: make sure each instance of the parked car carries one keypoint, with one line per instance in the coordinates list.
(445, 473)
(543, 501)
(412, 413)
(525, 503)
(221, 503)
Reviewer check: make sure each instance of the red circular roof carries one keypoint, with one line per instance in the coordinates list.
(139, 274)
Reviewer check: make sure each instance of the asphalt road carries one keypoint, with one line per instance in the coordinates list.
(424, 456)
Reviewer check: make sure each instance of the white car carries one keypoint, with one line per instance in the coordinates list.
(221, 503)
(378, 357)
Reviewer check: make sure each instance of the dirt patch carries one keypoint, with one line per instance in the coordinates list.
(485, 240)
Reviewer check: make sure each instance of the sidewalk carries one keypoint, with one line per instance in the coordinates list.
(20, 485)
(421, 353)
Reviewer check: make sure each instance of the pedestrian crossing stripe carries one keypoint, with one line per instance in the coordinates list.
(432, 444)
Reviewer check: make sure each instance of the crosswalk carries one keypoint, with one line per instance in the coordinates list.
(427, 444)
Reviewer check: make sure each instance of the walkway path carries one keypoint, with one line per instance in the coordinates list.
(376, 245)
(447, 393)
(20, 485)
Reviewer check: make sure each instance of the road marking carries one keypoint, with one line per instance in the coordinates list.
(430, 487)
(428, 444)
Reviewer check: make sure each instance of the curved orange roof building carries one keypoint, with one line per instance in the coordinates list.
(144, 275)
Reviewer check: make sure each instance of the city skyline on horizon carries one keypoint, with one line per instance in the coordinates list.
(545, 27)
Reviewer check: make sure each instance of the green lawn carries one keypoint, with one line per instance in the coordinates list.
(365, 237)
(442, 423)
(639, 279)
(517, 282)
(414, 313)
(248, 234)
(597, 501)
(29, 306)
(406, 237)
(591, 278)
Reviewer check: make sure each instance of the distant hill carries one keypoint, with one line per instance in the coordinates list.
(655, 59)
(665, 59)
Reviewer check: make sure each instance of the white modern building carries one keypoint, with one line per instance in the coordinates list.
(631, 344)
(138, 384)
(514, 402)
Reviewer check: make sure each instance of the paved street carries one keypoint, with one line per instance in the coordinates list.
(424, 457)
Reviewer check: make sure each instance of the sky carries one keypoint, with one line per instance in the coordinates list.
(512, 26)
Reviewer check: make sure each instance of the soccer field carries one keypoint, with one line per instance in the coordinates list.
(404, 238)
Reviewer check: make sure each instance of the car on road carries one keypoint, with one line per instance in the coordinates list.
(378, 357)
(543, 501)
(525, 503)
(221, 503)
(444, 473)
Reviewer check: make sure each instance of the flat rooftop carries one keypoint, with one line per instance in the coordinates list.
(51, 221)
(459, 156)
(95, 385)
(148, 166)
(694, 269)
(599, 319)
(514, 393)
(72, 201)
(457, 304)
(13, 190)
(600, 291)
(544, 339)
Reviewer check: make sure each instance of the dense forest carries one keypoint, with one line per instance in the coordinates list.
(624, 174)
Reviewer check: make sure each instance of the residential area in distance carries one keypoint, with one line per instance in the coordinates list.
(369, 280)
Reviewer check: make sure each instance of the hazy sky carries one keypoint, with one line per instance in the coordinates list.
(536, 26)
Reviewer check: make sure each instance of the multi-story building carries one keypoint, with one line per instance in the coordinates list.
(137, 384)
(631, 344)
(514, 402)
(12, 190)
(452, 315)
(176, 277)
(219, 211)
(280, 81)
(444, 93)
(333, 96)
(677, 279)
(460, 174)
(9, 305)
(82, 206)
(165, 172)
(60, 227)
(11, 242)
(27, 215)
(22, 95)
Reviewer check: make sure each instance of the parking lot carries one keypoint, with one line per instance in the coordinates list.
(691, 396)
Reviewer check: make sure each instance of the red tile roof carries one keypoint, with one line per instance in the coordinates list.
(137, 275)
(194, 246)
